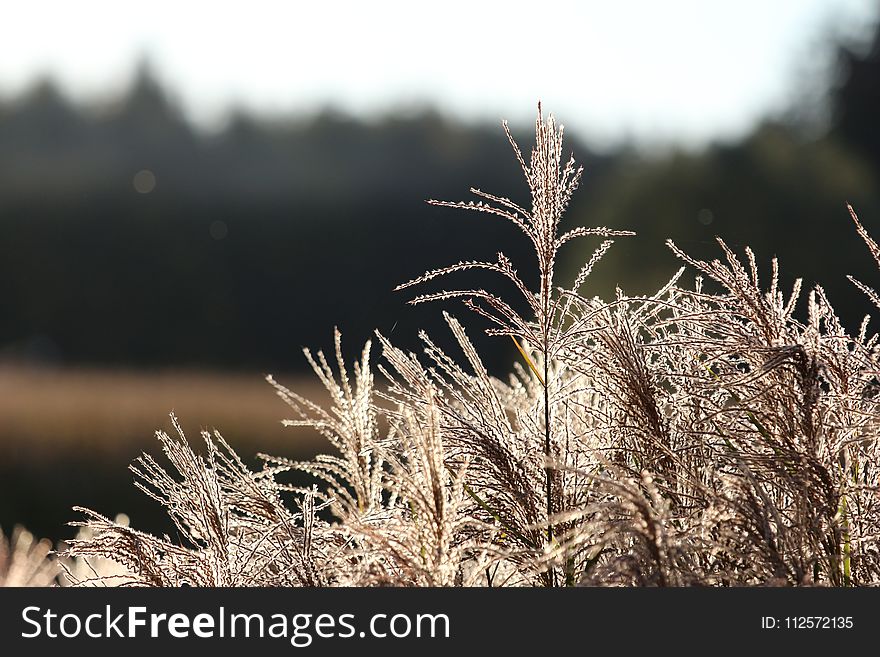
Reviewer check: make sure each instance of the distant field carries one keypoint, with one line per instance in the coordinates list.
(68, 435)
(48, 411)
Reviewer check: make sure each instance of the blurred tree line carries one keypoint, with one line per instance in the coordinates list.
(782, 190)
(128, 237)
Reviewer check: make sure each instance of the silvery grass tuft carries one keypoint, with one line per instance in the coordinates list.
(703, 435)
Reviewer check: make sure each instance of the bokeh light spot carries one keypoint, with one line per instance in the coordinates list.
(144, 181)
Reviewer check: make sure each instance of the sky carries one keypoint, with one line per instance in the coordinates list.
(670, 71)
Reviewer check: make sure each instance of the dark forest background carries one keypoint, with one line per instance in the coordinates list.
(132, 240)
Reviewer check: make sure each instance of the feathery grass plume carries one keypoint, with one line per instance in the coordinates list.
(743, 420)
(784, 406)
(236, 530)
(427, 539)
(552, 181)
(96, 571)
(875, 252)
(689, 437)
(492, 428)
(354, 474)
(399, 504)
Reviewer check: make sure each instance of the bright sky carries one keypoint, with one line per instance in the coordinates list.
(657, 70)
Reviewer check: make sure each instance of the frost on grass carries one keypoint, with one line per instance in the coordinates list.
(708, 434)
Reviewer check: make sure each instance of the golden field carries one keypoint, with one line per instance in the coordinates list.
(67, 436)
(47, 411)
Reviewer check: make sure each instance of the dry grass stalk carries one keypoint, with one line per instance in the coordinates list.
(692, 437)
